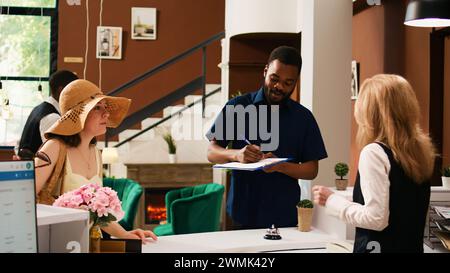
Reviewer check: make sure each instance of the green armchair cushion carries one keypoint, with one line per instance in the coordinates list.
(192, 210)
(129, 192)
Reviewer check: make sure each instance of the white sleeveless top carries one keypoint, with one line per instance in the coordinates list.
(73, 181)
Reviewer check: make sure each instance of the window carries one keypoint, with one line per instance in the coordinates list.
(28, 37)
(29, 3)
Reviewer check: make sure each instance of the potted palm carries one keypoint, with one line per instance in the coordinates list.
(304, 214)
(446, 177)
(341, 170)
(172, 147)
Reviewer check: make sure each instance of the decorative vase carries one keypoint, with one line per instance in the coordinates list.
(172, 158)
(139, 30)
(304, 216)
(341, 184)
(446, 182)
(95, 234)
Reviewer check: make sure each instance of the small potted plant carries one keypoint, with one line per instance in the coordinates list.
(341, 170)
(446, 177)
(305, 213)
(172, 147)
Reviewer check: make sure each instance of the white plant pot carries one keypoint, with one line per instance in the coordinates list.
(446, 182)
(172, 158)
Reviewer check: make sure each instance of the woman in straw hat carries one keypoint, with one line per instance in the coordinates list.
(69, 159)
(392, 188)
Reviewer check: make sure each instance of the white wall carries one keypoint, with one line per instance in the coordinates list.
(253, 16)
(326, 27)
(326, 77)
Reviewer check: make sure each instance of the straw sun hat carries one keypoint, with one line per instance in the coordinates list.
(77, 99)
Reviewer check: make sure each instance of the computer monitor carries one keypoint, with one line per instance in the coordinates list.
(18, 228)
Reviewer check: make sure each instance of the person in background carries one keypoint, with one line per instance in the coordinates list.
(260, 199)
(392, 189)
(43, 116)
(86, 113)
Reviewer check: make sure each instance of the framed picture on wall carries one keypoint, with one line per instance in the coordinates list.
(143, 23)
(355, 80)
(109, 42)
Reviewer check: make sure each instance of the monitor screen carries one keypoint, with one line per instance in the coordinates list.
(18, 230)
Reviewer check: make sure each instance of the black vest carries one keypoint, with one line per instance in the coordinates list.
(31, 135)
(408, 207)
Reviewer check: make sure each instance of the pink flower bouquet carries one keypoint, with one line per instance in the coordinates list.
(102, 203)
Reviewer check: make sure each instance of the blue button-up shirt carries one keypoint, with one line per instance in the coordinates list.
(258, 199)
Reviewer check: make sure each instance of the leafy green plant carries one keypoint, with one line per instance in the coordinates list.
(446, 172)
(341, 169)
(170, 143)
(237, 94)
(305, 203)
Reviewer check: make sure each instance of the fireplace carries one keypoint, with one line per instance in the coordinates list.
(157, 180)
(155, 206)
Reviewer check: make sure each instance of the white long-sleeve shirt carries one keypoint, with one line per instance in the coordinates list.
(47, 121)
(374, 170)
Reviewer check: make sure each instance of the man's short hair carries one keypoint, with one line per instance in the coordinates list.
(287, 55)
(60, 78)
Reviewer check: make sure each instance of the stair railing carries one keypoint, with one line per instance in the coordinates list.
(170, 98)
(202, 100)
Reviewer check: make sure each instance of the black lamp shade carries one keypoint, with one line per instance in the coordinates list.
(428, 13)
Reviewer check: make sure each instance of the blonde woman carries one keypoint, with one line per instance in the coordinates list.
(69, 159)
(392, 188)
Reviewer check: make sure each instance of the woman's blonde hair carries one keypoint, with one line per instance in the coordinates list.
(387, 111)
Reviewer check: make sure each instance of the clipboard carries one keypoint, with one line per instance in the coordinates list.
(252, 166)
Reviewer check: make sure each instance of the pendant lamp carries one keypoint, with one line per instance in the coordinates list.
(428, 13)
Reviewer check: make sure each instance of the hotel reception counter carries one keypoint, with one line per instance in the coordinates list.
(66, 230)
(239, 241)
(328, 234)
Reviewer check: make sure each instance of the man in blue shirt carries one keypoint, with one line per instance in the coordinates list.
(276, 126)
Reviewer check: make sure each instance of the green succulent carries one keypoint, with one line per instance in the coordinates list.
(446, 171)
(305, 203)
(341, 169)
(170, 143)
(237, 94)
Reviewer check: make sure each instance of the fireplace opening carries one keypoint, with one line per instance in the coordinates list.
(155, 205)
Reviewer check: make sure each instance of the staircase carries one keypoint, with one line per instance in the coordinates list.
(188, 129)
(187, 123)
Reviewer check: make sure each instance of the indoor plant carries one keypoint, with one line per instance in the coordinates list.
(305, 213)
(446, 177)
(172, 147)
(341, 170)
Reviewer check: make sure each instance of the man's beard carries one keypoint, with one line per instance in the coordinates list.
(284, 97)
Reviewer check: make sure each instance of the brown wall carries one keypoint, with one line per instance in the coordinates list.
(368, 50)
(180, 26)
(446, 144)
(382, 44)
(248, 57)
(417, 65)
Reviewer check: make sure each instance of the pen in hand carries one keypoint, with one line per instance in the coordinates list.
(264, 156)
(251, 152)
(248, 142)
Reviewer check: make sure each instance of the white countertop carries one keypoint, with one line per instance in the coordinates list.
(47, 215)
(328, 230)
(241, 241)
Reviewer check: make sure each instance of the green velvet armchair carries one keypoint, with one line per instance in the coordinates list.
(192, 210)
(129, 192)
